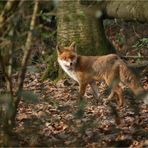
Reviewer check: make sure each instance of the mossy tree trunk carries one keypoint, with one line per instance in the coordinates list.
(74, 24)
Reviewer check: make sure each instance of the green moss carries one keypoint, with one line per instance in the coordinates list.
(52, 68)
(89, 49)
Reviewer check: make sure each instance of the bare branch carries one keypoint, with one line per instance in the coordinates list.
(9, 7)
(25, 59)
(8, 79)
(136, 57)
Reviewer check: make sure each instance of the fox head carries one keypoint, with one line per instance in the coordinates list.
(67, 56)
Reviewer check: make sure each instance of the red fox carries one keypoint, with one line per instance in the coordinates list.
(87, 69)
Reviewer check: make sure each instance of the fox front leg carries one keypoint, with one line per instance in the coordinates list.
(82, 88)
(95, 92)
(94, 89)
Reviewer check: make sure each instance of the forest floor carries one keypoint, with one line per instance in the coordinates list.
(57, 119)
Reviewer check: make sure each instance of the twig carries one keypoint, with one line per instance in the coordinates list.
(8, 79)
(7, 20)
(46, 14)
(25, 59)
(136, 32)
(136, 57)
(10, 5)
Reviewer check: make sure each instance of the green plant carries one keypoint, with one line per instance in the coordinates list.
(141, 43)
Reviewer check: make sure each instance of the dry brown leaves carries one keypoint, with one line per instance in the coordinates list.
(59, 120)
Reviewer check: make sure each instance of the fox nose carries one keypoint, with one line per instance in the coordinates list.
(71, 64)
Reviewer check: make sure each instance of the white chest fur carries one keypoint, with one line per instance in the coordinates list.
(71, 73)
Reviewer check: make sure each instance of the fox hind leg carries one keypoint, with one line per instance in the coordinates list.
(113, 80)
(120, 97)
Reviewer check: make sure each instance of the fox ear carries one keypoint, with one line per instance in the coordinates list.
(73, 46)
(59, 49)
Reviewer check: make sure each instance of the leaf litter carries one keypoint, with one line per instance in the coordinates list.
(57, 119)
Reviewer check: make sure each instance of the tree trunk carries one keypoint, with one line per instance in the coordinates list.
(75, 25)
(127, 10)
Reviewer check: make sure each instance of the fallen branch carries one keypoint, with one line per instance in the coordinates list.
(142, 64)
(136, 57)
(139, 68)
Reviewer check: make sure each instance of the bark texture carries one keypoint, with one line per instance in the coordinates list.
(127, 10)
(76, 25)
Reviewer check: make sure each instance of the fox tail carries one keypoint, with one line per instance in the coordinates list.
(129, 79)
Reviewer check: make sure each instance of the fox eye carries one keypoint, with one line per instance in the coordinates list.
(64, 58)
(72, 57)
